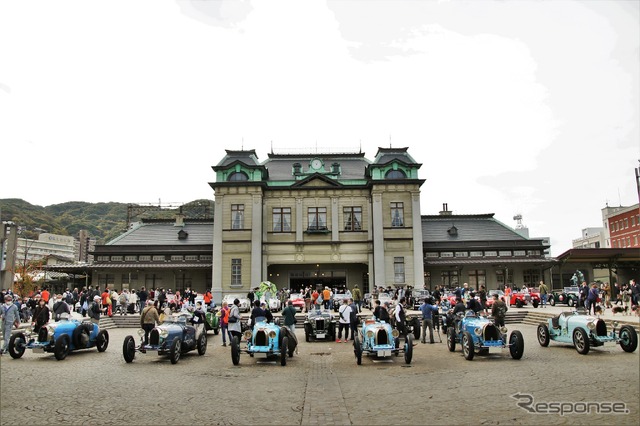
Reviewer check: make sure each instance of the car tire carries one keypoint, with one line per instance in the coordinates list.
(408, 349)
(581, 341)
(235, 350)
(571, 302)
(628, 338)
(61, 348)
(357, 349)
(202, 343)
(516, 344)
(552, 301)
(283, 350)
(80, 336)
(174, 352)
(129, 349)
(468, 349)
(519, 303)
(102, 340)
(17, 345)
(543, 335)
(416, 328)
(535, 303)
(396, 345)
(451, 339)
(216, 331)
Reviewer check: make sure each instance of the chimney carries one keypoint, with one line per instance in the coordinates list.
(179, 218)
(445, 210)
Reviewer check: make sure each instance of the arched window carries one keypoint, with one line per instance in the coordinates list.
(395, 174)
(237, 176)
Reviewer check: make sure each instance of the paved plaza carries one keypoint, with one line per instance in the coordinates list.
(320, 385)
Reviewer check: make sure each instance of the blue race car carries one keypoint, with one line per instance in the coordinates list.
(379, 339)
(267, 340)
(584, 331)
(479, 335)
(173, 337)
(71, 333)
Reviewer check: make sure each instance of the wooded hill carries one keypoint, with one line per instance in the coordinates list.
(104, 221)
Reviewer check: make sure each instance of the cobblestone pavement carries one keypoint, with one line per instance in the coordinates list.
(321, 385)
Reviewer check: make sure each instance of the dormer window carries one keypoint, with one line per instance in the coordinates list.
(297, 168)
(453, 231)
(395, 174)
(335, 168)
(238, 176)
(182, 235)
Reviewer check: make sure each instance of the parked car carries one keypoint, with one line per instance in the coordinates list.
(569, 296)
(319, 324)
(412, 324)
(339, 297)
(479, 335)
(69, 334)
(274, 303)
(174, 337)
(520, 299)
(266, 339)
(379, 339)
(245, 305)
(366, 300)
(585, 331)
(419, 297)
(298, 301)
(384, 298)
(490, 294)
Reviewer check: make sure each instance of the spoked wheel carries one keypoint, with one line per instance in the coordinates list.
(17, 345)
(552, 301)
(129, 349)
(408, 349)
(283, 350)
(416, 328)
(628, 338)
(235, 350)
(581, 341)
(516, 344)
(543, 335)
(467, 346)
(357, 349)
(102, 341)
(174, 352)
(451, 339)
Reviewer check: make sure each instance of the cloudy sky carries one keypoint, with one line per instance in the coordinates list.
(510, 106)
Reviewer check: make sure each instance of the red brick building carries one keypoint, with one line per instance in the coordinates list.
(622, 225)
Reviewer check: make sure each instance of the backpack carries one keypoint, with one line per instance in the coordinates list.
(502, 310)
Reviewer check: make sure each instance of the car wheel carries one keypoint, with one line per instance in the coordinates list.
(235, 350)
(202, 343)
(468, 349)
(552, 301)
(174, 352)
(408, 349)
(571, 302)
(61, 348)
(581, 341)
(283, 350)
(451, 339)
(129, 349)
(519, 303)
(543, 335)
(102, 341)
(628, 338)
(80, 336)
(416, 328)
(396, 345)
(357, 349)
(216, 331)
(307, 332)
(17, 345)
(516, 344)
(535, 303)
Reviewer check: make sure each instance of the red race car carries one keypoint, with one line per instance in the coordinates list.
(521, 299)
(298, 301)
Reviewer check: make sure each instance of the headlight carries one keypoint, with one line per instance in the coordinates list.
(50, 330)
(247, 335)
(615, 324)
(591, 325)
(369, 334)
(503, 330)
(164, 334)
(395, 333)
(478, 331)
(272, 334)
(140, 332)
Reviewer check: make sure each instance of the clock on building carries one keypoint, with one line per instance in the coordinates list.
(316, 164)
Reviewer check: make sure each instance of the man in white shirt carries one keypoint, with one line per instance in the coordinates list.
(345, 320)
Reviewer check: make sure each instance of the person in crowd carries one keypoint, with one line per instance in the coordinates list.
(307, 299)
(41, 316)
(498, 311)
(584, 293)
(95, 310)
(474, 304)
(482, 294)
(345, 320)
(149, 317)
(143, 296)
(357, 297)
(60, 307)
(353, 323)
(289, 315)
(427, 309)
(45, 295)
(235, 329)
(607, 295)
(401, 316)
(592, 298)
(10, 319)
(544, 293)
(257, 313)
(326, 297)
(381, 312)
(224, 322)
(106, 301)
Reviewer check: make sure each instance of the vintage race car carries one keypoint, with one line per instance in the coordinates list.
(412, 323)
(266, 339)
(379, 339)
(212, 320)
(274, 303)
(319, 324)
(479, 335)
(585, 331)
(569, 296)
(500, 294)
(520, 299)
(419, 297)
(71, 333)
(339, 297)
(174, 337)
(298, 301)
(245, 305)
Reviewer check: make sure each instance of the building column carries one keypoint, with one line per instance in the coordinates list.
(418, 256)
(335, 227)
(216, 275)
(256, 241)
(378, 241)
(299, 216)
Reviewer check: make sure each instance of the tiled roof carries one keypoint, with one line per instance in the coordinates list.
(496, 261)
(352, 166)
(469, 228)
(166, 234)
(163, 265)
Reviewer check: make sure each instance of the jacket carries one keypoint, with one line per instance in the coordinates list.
(149, 315)
(235, 326)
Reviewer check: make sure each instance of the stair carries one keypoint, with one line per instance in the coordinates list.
(127, 321)
(107, 323)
